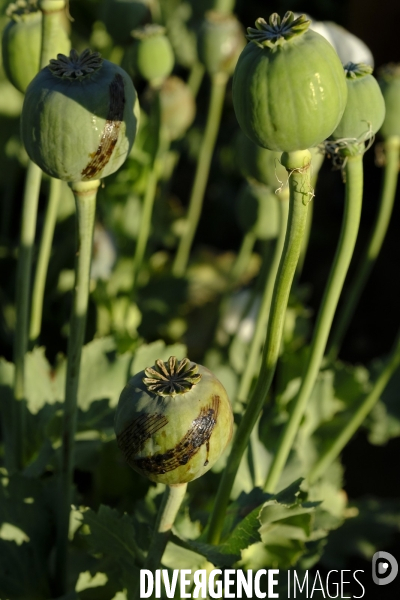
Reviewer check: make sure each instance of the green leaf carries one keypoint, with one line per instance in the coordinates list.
(384, 421)
(112, 534)
(371, 525)
(26, 537)
(189, 550)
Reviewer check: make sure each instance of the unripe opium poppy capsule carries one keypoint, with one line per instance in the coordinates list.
(151, 55)
(365, 108)
(177, 104)
(389, 81)
(173, 421)
(22, 41)
(79, 117)
(220, 41)
(289, 88)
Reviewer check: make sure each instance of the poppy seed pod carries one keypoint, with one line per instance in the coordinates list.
(173, 421)
(289, 87)
(220, 41)
(22, 40)
(389, 81)
(79, 117)
(365, 108)
(178, 107)
(151, 55)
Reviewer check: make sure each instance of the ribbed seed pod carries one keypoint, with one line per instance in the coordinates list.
(389, 81)
(257, 209)
(79, 117)
(289, 88)
(220, 41)
(173, 421)
(365, 108)
(22, 40)
(151, 55)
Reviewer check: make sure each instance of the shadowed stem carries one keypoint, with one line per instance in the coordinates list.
(336, 446)
(352, 297)
(344, 252)
(85, 199)
(43, 260)
(169, 507)
(23, 290)
(218, 86)
(263, 314)
(298, 165)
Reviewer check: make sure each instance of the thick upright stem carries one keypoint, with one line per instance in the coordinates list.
(23, 290)
(43, 260)
(218, 86)
(306, 240)
(298, 165)
(85, 199)
(367, 261)
(356, 420)
(263, 314)
(169, 507)
(52, 13)
(344, 252)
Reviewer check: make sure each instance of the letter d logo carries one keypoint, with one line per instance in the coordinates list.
(384, 568)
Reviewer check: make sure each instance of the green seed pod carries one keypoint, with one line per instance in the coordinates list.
(264, 165)
(257, 209)
(365, 108)
(22, 40)
(79, 117)
(151, 55)
(389, 81)
(178, 107)
(122, 16)
(173, 421)
(289, 88)
(220, 42)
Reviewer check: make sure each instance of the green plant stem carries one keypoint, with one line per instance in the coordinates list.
(298, 164)
(43, 260)
(147, 210)
(344, 252)
(52, 11)
(262, 318)
(85, 199)
(23, 290)
(218, 87)
(367, 261)
(196, 77)
(169, 507)
(306, 241)
(242, 259)
(356, 420)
